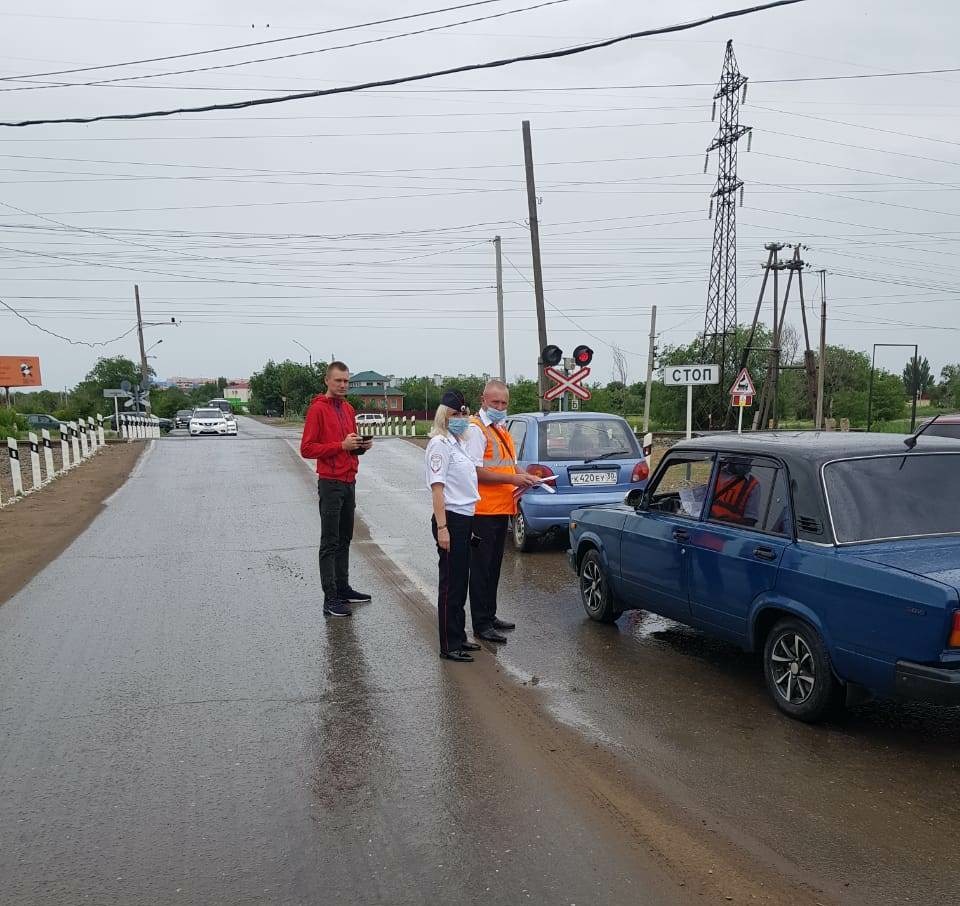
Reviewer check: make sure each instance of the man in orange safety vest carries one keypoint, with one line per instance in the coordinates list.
(490, 446)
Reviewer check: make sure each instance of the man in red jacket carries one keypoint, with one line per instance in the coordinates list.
(330, 437)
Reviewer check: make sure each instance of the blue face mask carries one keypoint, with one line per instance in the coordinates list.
(496, 415)
(456, 426)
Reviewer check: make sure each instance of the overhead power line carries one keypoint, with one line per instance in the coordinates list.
(290, 56)
(229, 47)
(72, 342)
(418, 77)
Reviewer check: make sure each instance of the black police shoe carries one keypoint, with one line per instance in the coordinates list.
(456, 656)
(491, 635)
(352, 596)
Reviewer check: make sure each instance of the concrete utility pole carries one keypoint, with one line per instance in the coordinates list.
(501, 349)
(650, 358)
(537, 270)
(145, 375)
(823, 348)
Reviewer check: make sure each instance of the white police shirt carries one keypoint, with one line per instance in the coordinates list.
(447, 463)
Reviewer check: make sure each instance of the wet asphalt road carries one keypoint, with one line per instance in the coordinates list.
(863, 808)
(180, 724)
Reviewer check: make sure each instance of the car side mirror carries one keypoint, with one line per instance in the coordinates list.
(636, 498)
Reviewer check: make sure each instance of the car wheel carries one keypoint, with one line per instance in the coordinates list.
(595, 593)
(798, 674)
(522, 537)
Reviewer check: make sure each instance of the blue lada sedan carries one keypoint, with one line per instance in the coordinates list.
(835, 555)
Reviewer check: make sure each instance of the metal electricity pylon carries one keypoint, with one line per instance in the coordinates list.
(720, 326)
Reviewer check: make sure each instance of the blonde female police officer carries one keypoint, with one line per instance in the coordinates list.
(452, 479)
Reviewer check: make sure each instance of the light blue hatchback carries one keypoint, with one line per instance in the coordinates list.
(593, 457)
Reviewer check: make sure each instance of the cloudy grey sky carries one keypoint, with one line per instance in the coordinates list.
(361, 225)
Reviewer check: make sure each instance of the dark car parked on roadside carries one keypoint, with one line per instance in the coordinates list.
(38, 422)
(836, 556)
(182, 418)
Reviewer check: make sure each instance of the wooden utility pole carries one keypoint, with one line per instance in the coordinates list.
(650, 357)
(500, 349)
(537, 270)
(144, 374)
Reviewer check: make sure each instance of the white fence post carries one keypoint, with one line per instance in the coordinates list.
(413, 426)
(35, 461)
(14, 454)
(156, 428)
(101, 439)
(82, 433)
(64, 447)
(92, 435)
(47, 453)
(75, 442)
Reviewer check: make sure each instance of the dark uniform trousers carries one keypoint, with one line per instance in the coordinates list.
(485, 562)
(454, 578)
(338, 501)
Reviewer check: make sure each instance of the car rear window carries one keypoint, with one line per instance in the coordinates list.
(576, 439)
(904, 496)
(943, 429)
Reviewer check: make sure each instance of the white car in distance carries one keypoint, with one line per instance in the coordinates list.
(212, 421)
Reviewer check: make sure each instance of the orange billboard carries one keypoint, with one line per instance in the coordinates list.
(19, 371)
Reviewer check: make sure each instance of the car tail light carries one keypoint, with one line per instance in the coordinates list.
(540, 471)
(955, 631)
(641, 471)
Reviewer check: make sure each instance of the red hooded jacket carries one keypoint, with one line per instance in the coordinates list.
(328, 422)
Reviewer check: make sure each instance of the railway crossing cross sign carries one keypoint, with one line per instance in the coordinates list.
(567, 383)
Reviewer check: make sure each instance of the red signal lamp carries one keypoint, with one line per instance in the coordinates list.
(583, 355)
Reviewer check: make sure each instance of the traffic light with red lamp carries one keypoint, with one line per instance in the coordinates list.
(553, 355)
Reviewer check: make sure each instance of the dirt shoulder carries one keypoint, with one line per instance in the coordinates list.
(41, 526)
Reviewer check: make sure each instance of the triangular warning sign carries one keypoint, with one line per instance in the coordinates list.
(743, 385)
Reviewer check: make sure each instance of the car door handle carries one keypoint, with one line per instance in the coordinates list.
(764, 553)
(680, 534)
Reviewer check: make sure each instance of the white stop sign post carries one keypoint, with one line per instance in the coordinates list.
(691, 376)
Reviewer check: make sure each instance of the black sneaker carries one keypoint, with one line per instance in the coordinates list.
(352, 596)
(335, 608)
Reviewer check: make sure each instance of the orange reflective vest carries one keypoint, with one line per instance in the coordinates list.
(731, 498)
(499, 456)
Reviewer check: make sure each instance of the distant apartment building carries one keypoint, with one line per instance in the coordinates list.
(188, 383)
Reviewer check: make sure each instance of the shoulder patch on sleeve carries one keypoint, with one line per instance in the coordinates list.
(436, 462)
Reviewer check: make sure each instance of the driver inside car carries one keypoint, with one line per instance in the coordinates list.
(736, 498)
